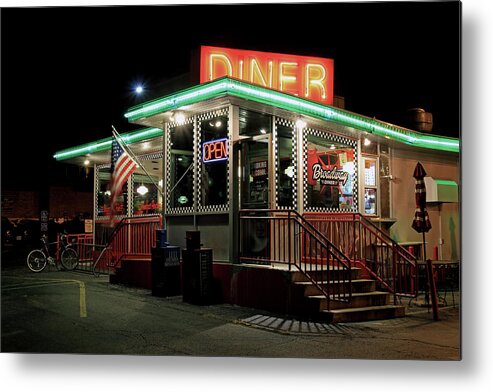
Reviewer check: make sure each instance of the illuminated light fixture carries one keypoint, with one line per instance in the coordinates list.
(300, 124)
(139, 89)
(107, 193)
(182, 199)
(332, 147)
(86, 162)
(160, 183)
(180, 118)
(263, 131)
(289, 171)
(367, 141)
(232, 87)
(218, 124)
(142, 190)
(146, 145)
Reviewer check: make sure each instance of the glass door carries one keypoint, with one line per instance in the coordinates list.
(255, 174)
(255, 181)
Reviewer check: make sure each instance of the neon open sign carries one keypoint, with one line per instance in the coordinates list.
(215, 150)
(303, 76)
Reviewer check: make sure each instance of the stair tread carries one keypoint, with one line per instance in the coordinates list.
(353, 294)
(324, 268)
(307, 282)
(363, 309)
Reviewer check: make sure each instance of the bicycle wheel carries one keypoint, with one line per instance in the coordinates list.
(36, 260)
(69, 259)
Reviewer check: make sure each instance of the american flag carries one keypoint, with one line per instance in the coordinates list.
(122, 166)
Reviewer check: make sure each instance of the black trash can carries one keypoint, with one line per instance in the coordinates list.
(197, 276)
(197, 279)
(165, 270)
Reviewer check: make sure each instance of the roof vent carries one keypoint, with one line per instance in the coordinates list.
(419, 120)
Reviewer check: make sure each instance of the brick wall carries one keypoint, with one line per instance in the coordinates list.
(63, 202)
(20, 204)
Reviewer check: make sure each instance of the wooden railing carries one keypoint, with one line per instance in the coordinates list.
(371, 248)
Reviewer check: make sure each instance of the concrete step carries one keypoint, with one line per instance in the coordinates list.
(357, 286)
(320, 274)
(358, 300)
(366, 313)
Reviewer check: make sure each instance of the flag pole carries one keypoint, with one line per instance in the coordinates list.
(124, 145)
(127, 148)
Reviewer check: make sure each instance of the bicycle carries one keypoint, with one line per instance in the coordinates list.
(38, 259)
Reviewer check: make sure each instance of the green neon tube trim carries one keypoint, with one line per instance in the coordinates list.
(227, 86)
(105, 144)
(446, 182)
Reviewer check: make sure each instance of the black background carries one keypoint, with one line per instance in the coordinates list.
(68, 73)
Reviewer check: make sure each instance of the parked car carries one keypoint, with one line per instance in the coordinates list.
(28, 232)
(8, 229)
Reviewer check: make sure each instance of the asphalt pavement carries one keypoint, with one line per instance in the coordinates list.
(72, 312)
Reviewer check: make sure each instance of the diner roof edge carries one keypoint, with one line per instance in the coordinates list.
(233, 87)
(105, 144)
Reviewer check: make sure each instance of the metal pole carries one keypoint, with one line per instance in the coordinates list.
(289, 239)
(137, 160)
(431, 281)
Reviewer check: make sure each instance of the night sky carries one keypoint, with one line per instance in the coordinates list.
(68, 73)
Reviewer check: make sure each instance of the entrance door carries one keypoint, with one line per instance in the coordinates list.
(254, 195)
(254, 179)
(253, 185)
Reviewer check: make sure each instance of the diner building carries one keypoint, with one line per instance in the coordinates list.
(276, 181)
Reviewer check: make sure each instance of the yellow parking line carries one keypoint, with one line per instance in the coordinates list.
(82, 299)
(51, 282)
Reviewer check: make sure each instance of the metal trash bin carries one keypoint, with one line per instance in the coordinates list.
(197, 277)
(165, 271)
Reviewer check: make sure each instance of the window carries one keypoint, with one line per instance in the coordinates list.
(104, 195)
(146, 197)
(255, 159)
(370, 183)
(214, 153)
(385, 184)
(254, 124)
(330, 172)
(286, 167)
(181, 166)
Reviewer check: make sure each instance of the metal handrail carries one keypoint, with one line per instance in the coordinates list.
(295, 241)
(126, 223)
(391, 264)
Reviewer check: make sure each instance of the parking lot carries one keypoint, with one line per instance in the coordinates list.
(70, 312)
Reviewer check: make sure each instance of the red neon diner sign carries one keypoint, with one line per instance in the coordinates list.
(306, 77)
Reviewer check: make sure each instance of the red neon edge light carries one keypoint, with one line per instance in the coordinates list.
(303, 76)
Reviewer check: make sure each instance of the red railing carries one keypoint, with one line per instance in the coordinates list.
(133, 237)
(284, 236)
(373, 249)
(88, 252)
